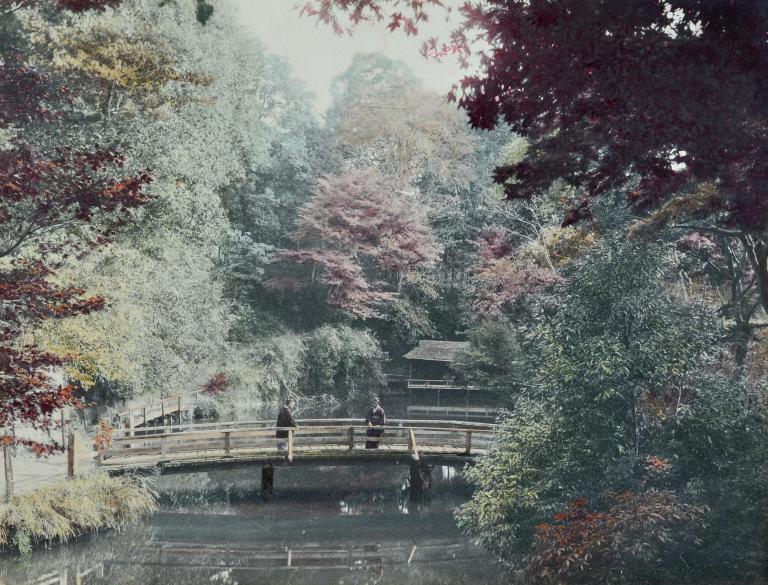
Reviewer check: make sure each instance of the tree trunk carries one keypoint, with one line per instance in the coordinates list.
(757, 250)
(761, 269)
(740, 354)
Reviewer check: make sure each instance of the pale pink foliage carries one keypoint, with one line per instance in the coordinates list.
(698, 242)
(355, 225)
(503, 274)
(348, 288)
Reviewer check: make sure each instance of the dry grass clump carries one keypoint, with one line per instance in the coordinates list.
(62, 511)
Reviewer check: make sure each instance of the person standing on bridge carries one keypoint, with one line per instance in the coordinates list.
(285, 419)
(376, 420)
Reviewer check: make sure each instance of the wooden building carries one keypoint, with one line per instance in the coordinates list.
(435, 389)
(430, 364)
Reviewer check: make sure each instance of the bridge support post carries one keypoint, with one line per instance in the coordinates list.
(290, 444)
(128, 429)
(420, 482)
(7, 458)
(267, 482)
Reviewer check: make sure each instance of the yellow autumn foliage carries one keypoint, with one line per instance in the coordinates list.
(568, 243)
(560, 245)
(684, 207)
(139, 64)
(99, 344)
(122, 54)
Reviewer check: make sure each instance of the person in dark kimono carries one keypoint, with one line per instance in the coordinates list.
(285, 419)
(376, 422)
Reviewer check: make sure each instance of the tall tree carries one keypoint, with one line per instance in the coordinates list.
(192, 114)
(55, 203)
(356, 230)
(615, 387)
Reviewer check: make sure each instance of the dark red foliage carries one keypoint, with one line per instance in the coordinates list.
(43, 193)
(25, 93)
(667, 93)
(83, 5)
(8, 6)
(577, 213)
(51, 203)
(218, 384)
(26, 295)
(28, 393)
(670, 92)
(583, 545)
(406, 14)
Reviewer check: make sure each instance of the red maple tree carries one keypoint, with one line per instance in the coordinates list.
(355, 228)
(217, 384)
(406, 14)
(504, 273)
(55, 204)
(42, 201)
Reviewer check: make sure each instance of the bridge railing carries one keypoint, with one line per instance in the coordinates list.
(309, 422)
(310, 438)
(132, 412)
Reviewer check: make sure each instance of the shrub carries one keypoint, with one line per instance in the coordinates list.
(68, 509)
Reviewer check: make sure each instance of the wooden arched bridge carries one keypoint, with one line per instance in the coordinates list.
(206, 446)
(228, 445)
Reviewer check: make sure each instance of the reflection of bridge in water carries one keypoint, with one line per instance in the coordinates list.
(322, 556)
(172, 558)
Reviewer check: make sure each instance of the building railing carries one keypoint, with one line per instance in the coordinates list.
(414, 383)
(448, 411)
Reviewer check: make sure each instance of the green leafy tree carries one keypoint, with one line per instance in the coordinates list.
(619, 393)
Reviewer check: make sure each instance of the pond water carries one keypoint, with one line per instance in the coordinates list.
(341, 525)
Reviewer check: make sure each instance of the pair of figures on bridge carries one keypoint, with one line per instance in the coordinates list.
(375, 419)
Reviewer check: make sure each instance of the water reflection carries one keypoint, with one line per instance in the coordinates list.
(336, 525)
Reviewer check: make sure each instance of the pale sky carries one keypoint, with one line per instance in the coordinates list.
(317, 55)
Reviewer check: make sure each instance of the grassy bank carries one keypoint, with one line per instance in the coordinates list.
(60, 512)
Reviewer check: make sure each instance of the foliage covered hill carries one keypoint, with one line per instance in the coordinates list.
(236, 154)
